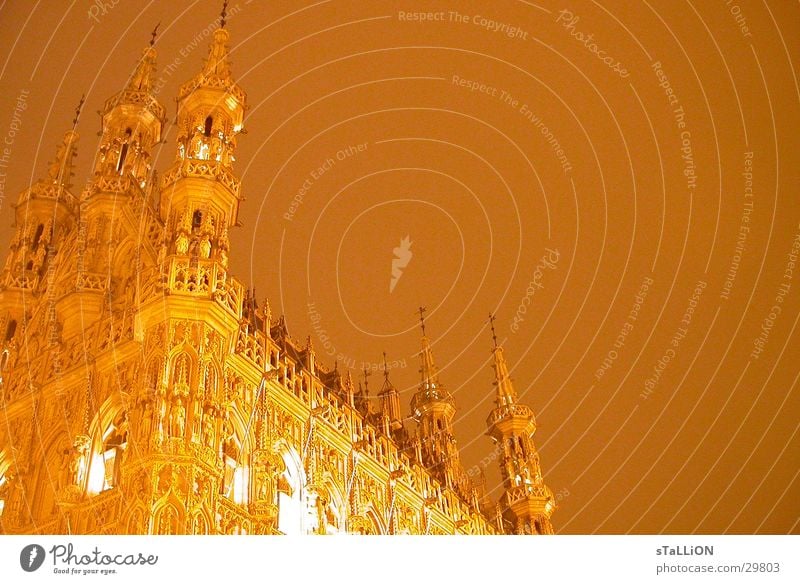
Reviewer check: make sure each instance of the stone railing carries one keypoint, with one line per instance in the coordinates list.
(223, 83)
(206, 278)
(509, 411)
(137, 97)
(193, 168)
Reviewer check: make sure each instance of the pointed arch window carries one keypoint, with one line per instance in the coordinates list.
(11, 329)
(104, 470)
(123, 153)
(38, 236)
(208, 126)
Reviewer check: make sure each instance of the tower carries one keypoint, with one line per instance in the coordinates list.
(108, 245)
(44, 214)
(200, 193)
(187, 459)
(433, 407)
(526, 503)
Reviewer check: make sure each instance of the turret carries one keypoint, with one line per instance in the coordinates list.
(527, 502)
(200, 194)
(44, 213)
(433, 407)
(132, 123)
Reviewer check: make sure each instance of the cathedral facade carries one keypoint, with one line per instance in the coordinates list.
(144, 390)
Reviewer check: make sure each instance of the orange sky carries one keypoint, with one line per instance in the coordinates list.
(626, 203)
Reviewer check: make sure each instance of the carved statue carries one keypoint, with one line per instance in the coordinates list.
(263, 487)
(182, 243)
(196, 146)
(205, 247)
(322, 527)
(208, 429)
(146, 421)
(47, 234)
(65, 470)
(38, 258)
(162, 252)
(77, 465)
(178, 424)
(216, 148)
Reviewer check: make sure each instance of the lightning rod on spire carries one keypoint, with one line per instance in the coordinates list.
(78, 111)
(223, 14)
(492, 318)
(154, 34)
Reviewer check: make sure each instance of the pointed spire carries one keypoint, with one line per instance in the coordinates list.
(386, 382)
(132, 122)
(430, 389)
(429, 374)
(310, 356)
(78, 110)
(59, 171)
(349, 389)
(138, 90)
(391, 399)
(144, 75)
(217, 62)
(506, 394)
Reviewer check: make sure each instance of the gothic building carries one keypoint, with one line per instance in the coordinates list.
(145, 391)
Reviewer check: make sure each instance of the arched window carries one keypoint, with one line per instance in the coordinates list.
(38, 236)
(197, 219)
(104, 470)
(123, 153)
(11, 329)
(208, 126)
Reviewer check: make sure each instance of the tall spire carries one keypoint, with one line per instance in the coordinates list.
(527, 502)
(430, 389)
(216, 73)
(60, 170)
(429, 381)
(506, 394)
(434, 408)
(132, 123)
(143, 77)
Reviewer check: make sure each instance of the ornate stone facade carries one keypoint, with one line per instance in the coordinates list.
(144, 390)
